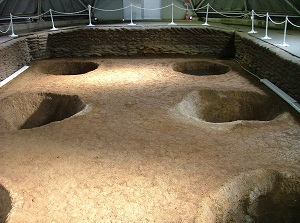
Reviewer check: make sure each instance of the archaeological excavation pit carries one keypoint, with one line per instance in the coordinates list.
(201, 68)
(5, 204)
(68, 67)
(30, 110)
(261, 196)
(227, 106)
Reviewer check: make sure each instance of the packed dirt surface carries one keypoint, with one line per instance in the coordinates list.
(133, 140)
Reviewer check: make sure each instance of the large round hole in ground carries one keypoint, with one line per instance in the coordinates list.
(68, 67)
(262, 196)
(227, 106)
(5, 204)
(201, 68)
(29, 110)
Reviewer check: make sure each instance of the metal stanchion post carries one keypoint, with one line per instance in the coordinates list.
(53, 27)
(267, 26)
(206, 18)
(131, 22)
(12, 27)
(252, 18)
(90, 16)
(284, 36)
(172, 22)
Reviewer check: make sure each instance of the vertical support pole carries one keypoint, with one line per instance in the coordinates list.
(131, 22)
(172, 22)
(53, 27)
(206, 18)
(246, 6)
(12, 27)
(252, 18)
(90, 16)
(284, 35)
(39, 9)
(267, 26)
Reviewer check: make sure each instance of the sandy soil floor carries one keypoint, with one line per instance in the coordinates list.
(136, 153)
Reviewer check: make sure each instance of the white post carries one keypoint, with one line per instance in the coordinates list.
(267, 25)
(12, 27)
(206, 19)
(53, 27)
(131, 22)
(90, 16)
(252, 18)
(172, 22)
(284, 36)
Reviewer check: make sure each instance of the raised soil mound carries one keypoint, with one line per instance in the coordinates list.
(261, 196)
(227, 106)
(5, 204)
(68, 67)
(201, 68)
(30, 110)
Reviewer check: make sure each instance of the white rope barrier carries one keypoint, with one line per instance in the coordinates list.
(180, 7)
(153, 8)
(30, 17)
(110, 10)
(276, 23)
(293, 23)
(261, 16)
(240, 16)
(208, 6)
(69, 13)
(4, 32)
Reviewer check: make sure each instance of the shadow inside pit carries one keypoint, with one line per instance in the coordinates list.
(227, 106)
(201, 68)
(54, 108)
(276, 208)
(5, 204)
(261, 196)
(68, 68)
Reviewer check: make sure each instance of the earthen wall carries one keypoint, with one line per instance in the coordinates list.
(270, 62)
(263, 59)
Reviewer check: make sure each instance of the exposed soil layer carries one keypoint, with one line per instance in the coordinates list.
(68, 68)
(201, 68)
(227, 106)
(29, 110)
(5, 204)
(261, 196)
(133, 155)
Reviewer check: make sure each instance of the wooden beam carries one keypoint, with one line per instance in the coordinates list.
(200, 4)
(246, 6)
(39, 8)
(85, 6)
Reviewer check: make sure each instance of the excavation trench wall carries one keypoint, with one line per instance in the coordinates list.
(261, 58)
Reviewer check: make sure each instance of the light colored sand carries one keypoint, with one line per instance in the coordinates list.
(132, 157)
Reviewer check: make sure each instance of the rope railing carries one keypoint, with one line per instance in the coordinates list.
(173, 7)
(268, 17)
(110, 10)
(227, 16)
(70, 13)
(4, 32)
